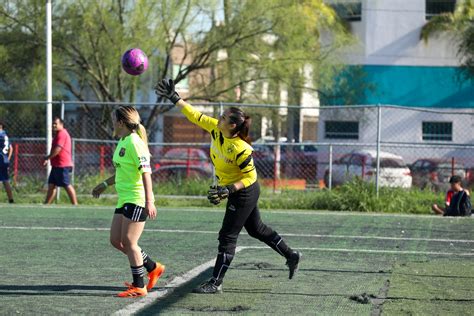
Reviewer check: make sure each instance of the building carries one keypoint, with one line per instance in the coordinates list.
(405, 71)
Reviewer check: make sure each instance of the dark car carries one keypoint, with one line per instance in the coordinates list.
(434, 174)
(300, 161)
(296, 161)
(183, 162)
(180, 172)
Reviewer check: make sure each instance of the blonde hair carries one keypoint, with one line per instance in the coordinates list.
(130, 117)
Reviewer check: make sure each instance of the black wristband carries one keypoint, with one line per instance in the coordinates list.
(175, 98)
(231, 188)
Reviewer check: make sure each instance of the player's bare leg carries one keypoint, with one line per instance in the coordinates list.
(72, 194)
(437, 210)
(8, 189)
(131, 232)
(51, 194)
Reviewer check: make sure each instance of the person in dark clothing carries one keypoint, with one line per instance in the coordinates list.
(5, 157)
(458, 201)
(231, 155)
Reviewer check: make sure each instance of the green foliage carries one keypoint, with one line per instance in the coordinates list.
(459, 24)
(355, 196)
(266, 43)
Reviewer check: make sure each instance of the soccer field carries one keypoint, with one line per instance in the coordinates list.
(57, 260)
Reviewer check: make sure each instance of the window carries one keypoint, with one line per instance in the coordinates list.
(438, 131)
(183, 84)
(389, 163)
(437, 7)
(341, 130)
(348, 10)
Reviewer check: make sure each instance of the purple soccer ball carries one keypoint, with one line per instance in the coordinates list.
(134, 62)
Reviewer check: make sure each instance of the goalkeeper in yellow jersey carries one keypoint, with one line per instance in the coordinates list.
(136, 201)
(231, 154)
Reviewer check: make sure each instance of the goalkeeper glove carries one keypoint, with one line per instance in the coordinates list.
(165, 88)
(217, 193)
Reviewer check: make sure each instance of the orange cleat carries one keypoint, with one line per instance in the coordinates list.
(154, 275)
(133, 291)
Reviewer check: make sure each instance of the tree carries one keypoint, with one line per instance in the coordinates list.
(267, 44)
(460, 24)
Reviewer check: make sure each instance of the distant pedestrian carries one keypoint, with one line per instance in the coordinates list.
(61, 163)
(5, 157)
(457, 202)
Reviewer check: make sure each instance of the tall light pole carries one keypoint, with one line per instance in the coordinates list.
(49, 83)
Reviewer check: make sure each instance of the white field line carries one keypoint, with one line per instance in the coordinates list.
(169, 288)
(463, 254)
(221, 210)
(183, 231)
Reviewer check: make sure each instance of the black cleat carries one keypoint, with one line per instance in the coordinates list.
(292, 263)
(209, 287)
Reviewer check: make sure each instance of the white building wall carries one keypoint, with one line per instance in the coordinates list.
(389, 34)
(401, 126)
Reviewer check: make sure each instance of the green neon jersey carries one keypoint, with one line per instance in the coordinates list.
(131, 159)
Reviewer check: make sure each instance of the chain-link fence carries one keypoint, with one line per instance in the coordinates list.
(294, 147)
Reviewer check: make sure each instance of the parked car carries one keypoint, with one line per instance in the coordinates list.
(434, 174)
(180, 172)
(362, 163)
(183, 162)
(470, 178)
(296, 160)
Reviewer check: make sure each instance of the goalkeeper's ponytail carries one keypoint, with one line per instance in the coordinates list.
(242, 122)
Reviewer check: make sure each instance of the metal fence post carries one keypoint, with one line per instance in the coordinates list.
(330, 167)
(62, 110)
(379, 133)
(221, 108)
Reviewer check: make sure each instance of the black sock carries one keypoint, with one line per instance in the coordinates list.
(149, 264)
(138, 273)
(278, 244)
(223, 261)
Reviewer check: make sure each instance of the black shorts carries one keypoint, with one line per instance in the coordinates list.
(60, 177)
(131, 211)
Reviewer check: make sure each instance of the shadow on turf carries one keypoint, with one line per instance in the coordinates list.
(177, 294)
(45, 290)
(315, 270)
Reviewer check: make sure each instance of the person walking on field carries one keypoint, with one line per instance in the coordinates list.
(5, 156)
(61, 163)
(136, 200)
(231, 155)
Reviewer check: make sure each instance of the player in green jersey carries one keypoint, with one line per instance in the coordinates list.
(136, 201)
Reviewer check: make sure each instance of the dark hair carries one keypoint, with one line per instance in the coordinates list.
(455, 179)
(2, 125)
(59, 119)
(242, 122)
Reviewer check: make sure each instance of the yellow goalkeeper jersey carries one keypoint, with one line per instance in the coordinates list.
(231, 157)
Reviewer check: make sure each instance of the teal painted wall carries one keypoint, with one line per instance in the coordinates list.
(418, 86)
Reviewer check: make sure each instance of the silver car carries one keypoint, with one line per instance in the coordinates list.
(363, 163)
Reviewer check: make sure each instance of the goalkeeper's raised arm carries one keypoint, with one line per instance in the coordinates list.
(165, 88)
